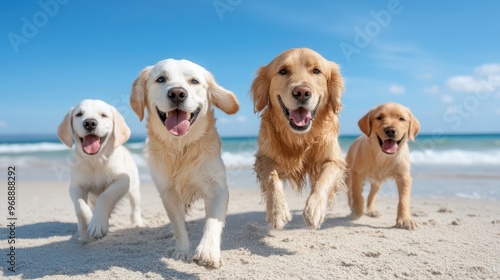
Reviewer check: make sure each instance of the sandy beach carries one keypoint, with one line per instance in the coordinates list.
(456, 239)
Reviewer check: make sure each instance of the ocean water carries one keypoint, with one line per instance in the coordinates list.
(466, 166)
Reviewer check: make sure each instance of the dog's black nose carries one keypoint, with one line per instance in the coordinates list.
(90, 124)
(301, 93)
(390, 131)
(177, 94)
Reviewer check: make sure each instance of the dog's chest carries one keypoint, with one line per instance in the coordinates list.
(94, 177)
(383, 167)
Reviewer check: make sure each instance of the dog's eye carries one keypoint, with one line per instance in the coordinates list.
(283, 72)
(402, 119)
(316, 71)
(79, 114)
(379, 118)
(160, 79)
(194, 81)
(104, 115)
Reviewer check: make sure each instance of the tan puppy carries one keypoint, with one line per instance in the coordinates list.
(103, 170)
(298, 95)
(382, 153)
(184, 148)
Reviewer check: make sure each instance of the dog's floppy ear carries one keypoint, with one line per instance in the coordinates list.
(365, 123)
(414, 126)
(121, 131)
(335, 87)
(65, 129)
(260, 89)
(139, 88)
(220, 97)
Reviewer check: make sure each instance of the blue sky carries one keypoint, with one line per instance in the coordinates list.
(440, 58)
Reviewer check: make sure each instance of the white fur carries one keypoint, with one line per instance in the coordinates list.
(100, 180)
(188, 167)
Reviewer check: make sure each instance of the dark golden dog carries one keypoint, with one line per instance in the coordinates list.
(380, 154)
(298, 95)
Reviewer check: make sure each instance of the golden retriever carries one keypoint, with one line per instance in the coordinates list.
(298, 95)
(184, 148)
(382, 153)
(102, 170)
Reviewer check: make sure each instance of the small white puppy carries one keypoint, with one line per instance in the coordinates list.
(102, 170)
(184, 147)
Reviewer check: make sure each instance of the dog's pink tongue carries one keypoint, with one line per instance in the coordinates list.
(177, 122)
(91, 144)
(390, 146)
(300, 116)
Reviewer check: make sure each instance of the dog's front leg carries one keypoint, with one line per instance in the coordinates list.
(355, 193)
(83, 212)
(330, 180)
(176, 211)
(370, 204)
(277, 212)
(404, 219)
(98, 226)
(216, 198)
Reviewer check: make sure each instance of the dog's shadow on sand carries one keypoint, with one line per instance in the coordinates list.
(139, 250)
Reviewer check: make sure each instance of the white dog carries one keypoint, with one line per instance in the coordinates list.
(102, 170)
(184, 147)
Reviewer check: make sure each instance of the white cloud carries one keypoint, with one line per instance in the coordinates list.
(488, 69)
(494, 80)
(447, 99)
(434, 89)
(486, 78)
(224, 120)
(397, 89)
(241, 119)
(470, 84)
(3, 124)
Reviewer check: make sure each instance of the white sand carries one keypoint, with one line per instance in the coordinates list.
(456, 239)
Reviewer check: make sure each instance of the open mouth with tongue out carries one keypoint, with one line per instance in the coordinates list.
(91, 143)
(177, 121)
(299, 119)
(389, 146)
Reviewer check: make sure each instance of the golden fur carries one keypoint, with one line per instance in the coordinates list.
(292, 156)
(189, 166)
(367, 160)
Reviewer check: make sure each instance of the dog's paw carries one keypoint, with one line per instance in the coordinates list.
(208, 256)
(180, 255)
(137, 221)
(355, 216)
(98, 228)
(314, 212)
(181, 250)
(408, 224)
(313, 216)
(278, 219)
(85, 238)
(373, 213)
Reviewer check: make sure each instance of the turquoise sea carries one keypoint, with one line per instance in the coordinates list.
(466, 166)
